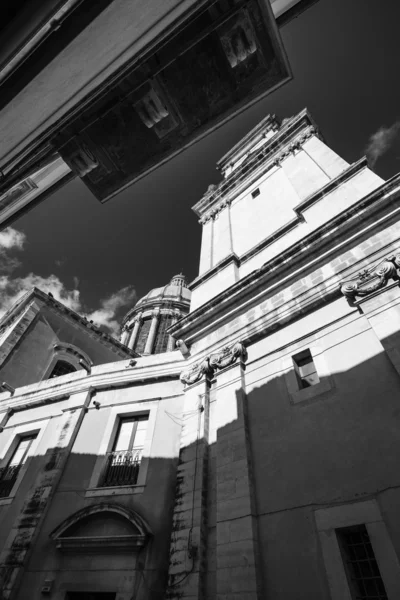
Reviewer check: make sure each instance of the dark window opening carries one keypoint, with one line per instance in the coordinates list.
(305, 370)
(61, 368)
(361, 568)
(143, 335)
(123, 463)
(9, 474)
(255, 193)
(162, 338)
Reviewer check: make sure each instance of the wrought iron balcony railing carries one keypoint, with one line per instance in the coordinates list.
(8, 477)
(121, 468)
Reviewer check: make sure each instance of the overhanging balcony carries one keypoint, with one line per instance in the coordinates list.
(121, 468)
(152, 83)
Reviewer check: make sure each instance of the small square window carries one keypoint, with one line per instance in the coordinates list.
(255, 193)
(305, 369)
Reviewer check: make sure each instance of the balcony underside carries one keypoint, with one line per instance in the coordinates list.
(224, 57)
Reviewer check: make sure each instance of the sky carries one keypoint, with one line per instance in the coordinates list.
(98, 259)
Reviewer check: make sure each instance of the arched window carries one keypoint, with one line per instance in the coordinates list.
(61, 367)
(66, 358)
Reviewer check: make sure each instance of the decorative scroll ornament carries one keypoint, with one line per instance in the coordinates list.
(228, 356)
(196, 372)
(373, 279)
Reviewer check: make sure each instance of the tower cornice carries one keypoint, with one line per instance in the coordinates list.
(286, 140)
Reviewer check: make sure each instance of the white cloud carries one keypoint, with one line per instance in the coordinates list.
(105, 315)
(381, 141)
(13, 288)
(11, 238)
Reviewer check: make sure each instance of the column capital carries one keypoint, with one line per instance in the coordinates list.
(195, 373)
(229, 356)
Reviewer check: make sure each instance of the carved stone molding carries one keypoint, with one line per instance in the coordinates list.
(228, 356)
(196, 372)
(218, 361)
(82, 160)
(373, 279)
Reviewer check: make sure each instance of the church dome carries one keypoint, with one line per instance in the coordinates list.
(144, 329)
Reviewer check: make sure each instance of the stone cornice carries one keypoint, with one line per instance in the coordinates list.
(52, 390)
(167, 307)
(231, 258)
(346, 175)
(93, 330)
(279, 271)
(286, 141)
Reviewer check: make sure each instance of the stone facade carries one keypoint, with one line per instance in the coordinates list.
(263, 449)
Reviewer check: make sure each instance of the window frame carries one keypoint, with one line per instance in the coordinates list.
(149, 407)
(367, 513)
(299, 394)
(16, 432)
(298, 363)
(133, 419)
(66, 362)
(349, 559)
(68, 353)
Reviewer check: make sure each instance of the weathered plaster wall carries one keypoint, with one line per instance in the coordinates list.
(28, 361)
(337, 446)
(153, 501)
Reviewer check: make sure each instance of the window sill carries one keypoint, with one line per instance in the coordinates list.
(122, 490)
(5, 501)
(326, 385)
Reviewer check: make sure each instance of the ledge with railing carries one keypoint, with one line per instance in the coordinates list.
(8, 477)
(121, 468)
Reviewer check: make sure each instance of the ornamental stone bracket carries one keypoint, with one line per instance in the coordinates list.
(196, 372)
(228, 356)
(373, 279)
(214, 362)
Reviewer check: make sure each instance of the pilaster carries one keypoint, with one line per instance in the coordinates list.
(238, 574)
(382, 310)
(188, 550)
(206, 254)
(171, 341)
(222, 235)
(376, 293)
(20, 542)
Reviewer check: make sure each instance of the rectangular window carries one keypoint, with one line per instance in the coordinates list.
(9, 474)
(305, 369)
(255, 193)
(361, 568)
(123, 463)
